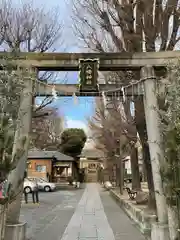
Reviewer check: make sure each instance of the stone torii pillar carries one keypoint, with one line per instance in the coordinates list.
(16, 177)
(160, 230)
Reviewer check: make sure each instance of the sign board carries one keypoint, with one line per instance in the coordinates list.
(88, 74)
(61, 165)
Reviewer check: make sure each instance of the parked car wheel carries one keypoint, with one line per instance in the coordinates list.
(47, 189)
(27, 190)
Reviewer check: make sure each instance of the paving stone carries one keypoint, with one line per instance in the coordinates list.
(92, 215)
(94, 224)
(50, 218)
(123, 227)
(88, 233)
(87, 238)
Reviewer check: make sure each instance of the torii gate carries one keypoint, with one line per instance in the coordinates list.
(148, 65)
(107, 62)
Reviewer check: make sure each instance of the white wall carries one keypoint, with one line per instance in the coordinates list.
(128, 165)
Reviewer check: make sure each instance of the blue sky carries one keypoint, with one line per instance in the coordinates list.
(75, 114)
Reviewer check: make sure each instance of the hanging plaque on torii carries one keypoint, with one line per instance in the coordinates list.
(88, 75)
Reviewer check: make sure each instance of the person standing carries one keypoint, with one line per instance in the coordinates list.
(1, 191)
(25, 196)
(48, 176)
(79, 179)
(35, 193)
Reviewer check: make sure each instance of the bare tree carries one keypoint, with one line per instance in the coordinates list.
(26, 28)
(129, 26)
(46, 130)
(102, 136)
(114, 135)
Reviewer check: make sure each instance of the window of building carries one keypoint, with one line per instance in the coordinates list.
(41, 168)
(92, 166)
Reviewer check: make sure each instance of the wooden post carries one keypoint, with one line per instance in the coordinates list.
(16, 177)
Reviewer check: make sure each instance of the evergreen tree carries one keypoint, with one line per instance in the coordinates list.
(11, 86)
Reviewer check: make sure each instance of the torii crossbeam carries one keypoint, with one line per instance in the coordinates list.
(108, 61)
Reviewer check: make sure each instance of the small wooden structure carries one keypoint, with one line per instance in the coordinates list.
(51, 165)
(90, 160)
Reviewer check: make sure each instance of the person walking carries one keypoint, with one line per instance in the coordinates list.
(35, 194)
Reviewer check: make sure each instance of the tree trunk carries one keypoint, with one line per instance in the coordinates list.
(144, 173)
(110, 172)
(106, 174)
(147, 162)
(121, 176)
(136, 183)
(117, 176)
(141, 128)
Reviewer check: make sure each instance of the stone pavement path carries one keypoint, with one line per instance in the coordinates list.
(49, 219)
(123, 228)
(90, 222)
